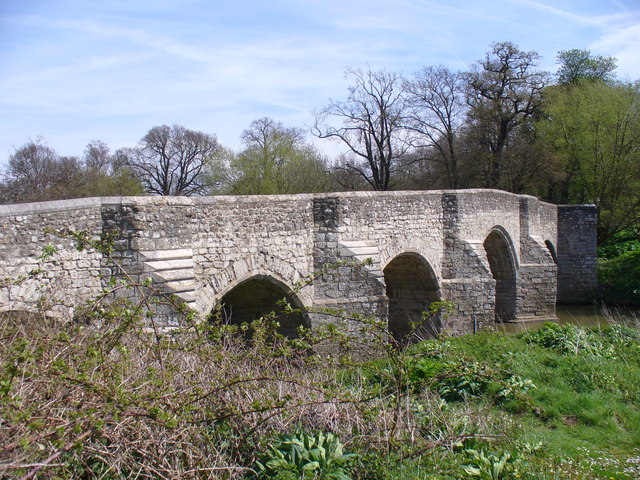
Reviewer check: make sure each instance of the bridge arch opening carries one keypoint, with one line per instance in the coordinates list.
(499, 250)
(411, 286)
(552, 250)
(259, 296)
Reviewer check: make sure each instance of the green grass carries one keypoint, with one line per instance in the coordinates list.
(580, 421)
(585, 409)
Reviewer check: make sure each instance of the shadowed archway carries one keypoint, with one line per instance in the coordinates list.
(258, 296)
(552, 250)
(411, 287)
(498, 247)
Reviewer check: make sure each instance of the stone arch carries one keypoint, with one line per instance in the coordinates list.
(213, 287)
(411, 286)
(259, 295)
(502, 263)
(552, 250)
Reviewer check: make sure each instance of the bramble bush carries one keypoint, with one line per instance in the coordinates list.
(111, 395)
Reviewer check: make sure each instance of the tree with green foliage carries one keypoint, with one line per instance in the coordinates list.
(578, 65)
(593, 132)
(276, 159)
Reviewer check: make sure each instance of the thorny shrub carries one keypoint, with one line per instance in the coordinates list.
(105, 396)
(75, 401)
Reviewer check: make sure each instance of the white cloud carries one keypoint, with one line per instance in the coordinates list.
(591, 20)
(624, 44)
(112, 70)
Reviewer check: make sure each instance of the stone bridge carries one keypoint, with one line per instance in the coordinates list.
(496, 255)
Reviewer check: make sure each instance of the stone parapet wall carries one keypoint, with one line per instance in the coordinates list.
(467, 246)
(240, 237)
(60, 281)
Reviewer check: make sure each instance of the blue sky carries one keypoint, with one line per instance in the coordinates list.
(74, 71)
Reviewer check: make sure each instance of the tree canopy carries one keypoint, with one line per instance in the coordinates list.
(276, 159)
(436, 114)
(370, 123)
(593, 134)
(36, 173)
(503, 92)
(172, 160)
(503, 123)
(578, 65)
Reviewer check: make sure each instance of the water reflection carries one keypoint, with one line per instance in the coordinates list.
(587, 315)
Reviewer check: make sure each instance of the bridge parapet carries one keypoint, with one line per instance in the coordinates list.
(490, 252)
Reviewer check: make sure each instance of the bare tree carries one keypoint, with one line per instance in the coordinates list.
(34, 173)
(372, 122)
(171, 160)
(267, 135)
(31, 165)
(97, 156)
(436, 98)
(37, 173)
(504, 92)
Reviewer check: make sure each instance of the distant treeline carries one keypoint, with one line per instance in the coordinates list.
(568, 137)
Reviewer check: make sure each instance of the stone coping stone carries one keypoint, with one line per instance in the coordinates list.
(98, 202)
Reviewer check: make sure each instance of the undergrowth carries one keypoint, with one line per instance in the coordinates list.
(619, 269)
(106, 397)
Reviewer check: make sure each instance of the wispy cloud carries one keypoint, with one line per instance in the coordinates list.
(76, 71)
(142, 37)
(615, 33)
(592, 20)
(624, 44)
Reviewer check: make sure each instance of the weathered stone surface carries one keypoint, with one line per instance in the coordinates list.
(490, 252)
(576, 253)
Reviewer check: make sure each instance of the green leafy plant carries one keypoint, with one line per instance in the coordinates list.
(619, 244)
(304, 455)
(463, 380)
(570, 339)
(619, 278)
(487, 466)
(514, 387)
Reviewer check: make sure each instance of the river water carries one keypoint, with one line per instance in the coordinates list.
(587, 315)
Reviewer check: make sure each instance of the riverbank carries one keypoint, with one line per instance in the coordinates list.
(562, 402)
(582, 315)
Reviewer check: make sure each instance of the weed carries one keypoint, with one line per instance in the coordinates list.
(319, 456)
(487, 466)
